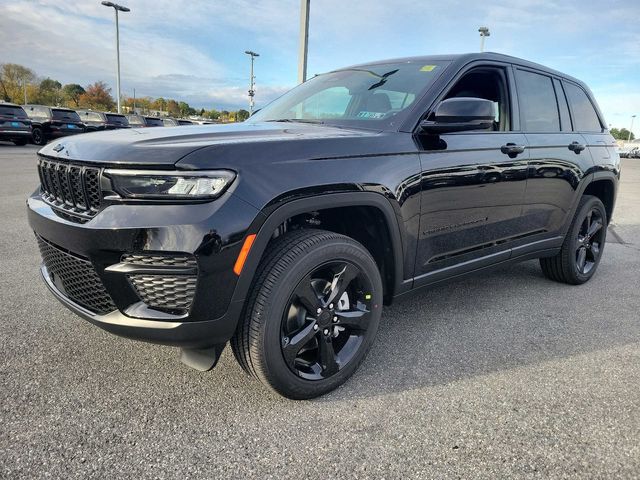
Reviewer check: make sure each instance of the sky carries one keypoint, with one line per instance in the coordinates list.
(194, 50)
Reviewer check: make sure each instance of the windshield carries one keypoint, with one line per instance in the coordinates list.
(368, 96)
(91, 116)
(38, 112)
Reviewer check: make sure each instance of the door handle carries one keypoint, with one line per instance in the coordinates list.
(576, 147)
(512, 149)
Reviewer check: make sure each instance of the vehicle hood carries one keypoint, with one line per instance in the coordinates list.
(163, 147)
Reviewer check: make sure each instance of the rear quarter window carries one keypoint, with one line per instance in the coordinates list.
(585, 118)
(537, 99)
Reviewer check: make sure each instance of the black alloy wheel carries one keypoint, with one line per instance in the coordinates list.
(326, 320)
(312, 313)
(583, 245)
(589, 240)
(38, 136)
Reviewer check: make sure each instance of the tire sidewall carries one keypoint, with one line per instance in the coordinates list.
(280, 375)
(573, 240)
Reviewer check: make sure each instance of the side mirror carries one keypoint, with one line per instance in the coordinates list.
(460, 114)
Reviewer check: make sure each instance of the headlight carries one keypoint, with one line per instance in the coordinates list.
(170, 185)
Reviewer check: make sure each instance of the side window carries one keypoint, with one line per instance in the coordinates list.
(565, 119)
(488, 83)
(537, 99)
(585, 118)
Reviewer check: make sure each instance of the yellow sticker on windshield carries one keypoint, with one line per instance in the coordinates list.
(428, 68)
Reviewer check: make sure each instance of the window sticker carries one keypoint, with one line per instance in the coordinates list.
(428, 68)
(370, 115)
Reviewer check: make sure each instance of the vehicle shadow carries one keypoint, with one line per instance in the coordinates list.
(510, 318)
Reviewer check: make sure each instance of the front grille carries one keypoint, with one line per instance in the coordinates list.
(76, 278)
(168, 293)
(72, 188)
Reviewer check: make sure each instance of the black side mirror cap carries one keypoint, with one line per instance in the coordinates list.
(460, 114)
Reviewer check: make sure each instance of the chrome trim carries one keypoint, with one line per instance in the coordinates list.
(131, 268)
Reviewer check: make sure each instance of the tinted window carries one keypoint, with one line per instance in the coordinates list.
(12, 111)
(538, 107)
(565, 119)
(154, 122)
(117, 119)
(585, 118)
(185, 122)
(66, 115)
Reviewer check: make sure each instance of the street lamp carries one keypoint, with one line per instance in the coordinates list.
(252, 79)
(484, 32)
(117, 8)
(304, 40)
(630, 129)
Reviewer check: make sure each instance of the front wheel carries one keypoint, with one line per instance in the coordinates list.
(312, 314)
(583, 245)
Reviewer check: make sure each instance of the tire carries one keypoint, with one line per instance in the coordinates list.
(38, 136)
(580, 254)
(20, 142)
(286, 344)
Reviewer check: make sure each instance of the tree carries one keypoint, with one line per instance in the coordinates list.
(14, 79)
(159, 104)
(72, 92)
(242, 115)
(173, 108)
(49, 92)
(621, 134)
(98, 97)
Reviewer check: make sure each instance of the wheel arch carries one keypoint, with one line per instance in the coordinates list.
(277, 217)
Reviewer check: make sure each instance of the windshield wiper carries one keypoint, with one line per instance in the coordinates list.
(297, 120)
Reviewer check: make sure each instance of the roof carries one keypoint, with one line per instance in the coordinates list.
(462, 59)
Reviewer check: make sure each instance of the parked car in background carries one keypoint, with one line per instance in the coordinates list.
(52, 122)
(174, 122)
(15, 125)
(102, 121)
(140, 121)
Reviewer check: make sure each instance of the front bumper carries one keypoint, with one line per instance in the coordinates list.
(211, 232)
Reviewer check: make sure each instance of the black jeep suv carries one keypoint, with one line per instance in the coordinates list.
(287, 233)
(95, 121)
(15, 126)
(52, 122)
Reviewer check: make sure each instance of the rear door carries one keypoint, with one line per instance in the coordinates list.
(473, 183)
(558, 160)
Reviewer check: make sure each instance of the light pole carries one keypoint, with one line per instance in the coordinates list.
(252, 79)
(117, 8)
(304, 40)
(630, 129)
(484, 32)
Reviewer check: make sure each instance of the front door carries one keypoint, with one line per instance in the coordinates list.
(473, 186)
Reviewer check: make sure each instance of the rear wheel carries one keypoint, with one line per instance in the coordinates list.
(38, 136)
(583, 245)
(312, 315)
(21, 142)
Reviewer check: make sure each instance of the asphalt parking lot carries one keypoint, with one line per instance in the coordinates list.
(501, 375)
